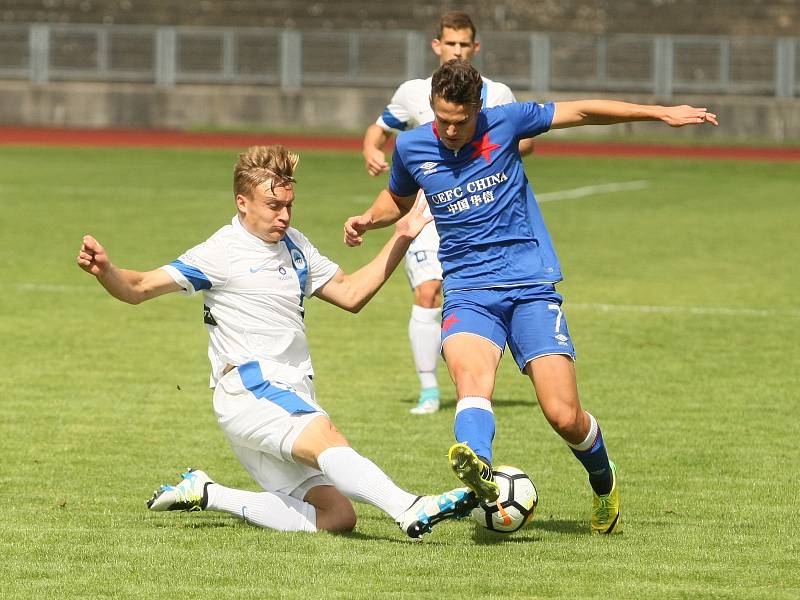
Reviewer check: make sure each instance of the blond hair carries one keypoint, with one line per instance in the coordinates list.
(259, 164)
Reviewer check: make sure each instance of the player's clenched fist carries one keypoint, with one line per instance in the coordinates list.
(375, 161)
(354, 229)
(92, 257)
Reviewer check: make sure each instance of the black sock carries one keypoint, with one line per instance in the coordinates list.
(602, 482)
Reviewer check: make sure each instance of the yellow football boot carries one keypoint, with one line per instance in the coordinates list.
(605, 508)
(473, 472)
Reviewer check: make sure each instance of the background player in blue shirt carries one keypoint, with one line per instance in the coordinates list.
(500, 267)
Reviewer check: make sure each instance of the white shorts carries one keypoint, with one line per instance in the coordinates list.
(422, 257)
(263, 407)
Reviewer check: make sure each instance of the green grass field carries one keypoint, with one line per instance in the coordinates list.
(682, 299)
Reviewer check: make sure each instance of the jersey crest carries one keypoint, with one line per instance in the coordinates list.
(298, 260)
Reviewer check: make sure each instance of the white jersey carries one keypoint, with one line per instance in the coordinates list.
(410, 107)
(253, 295)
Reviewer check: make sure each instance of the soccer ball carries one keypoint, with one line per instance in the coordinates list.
(514, 507)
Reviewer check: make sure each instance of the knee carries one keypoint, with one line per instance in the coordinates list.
(568, 422)
(344, 524)
(471, 381)
(468, 378)
(428, 294)
(337, 519)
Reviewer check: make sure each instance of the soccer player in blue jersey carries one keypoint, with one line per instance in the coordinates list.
(410, 107)
(500, 267)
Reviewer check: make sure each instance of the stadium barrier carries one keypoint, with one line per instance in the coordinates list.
(661, 65)
(109, 75)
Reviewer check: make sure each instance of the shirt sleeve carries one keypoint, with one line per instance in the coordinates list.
(530, 118)
(401, 183)
(201, 268)
(500, 94)
(396, 116)
(320, 268)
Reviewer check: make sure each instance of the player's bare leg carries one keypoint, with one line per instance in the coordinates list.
(334, 511)
(554, 380)
(472, 362)
(317, 437)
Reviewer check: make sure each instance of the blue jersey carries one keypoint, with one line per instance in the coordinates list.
(491, 228)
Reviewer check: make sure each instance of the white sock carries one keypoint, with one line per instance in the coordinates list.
(362, 480)
(590, 437)
(425, 333)
(272, 510)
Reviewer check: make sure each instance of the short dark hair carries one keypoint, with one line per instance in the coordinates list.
(458, 20)
(457, 82)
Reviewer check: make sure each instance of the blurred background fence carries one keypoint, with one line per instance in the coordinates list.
(661, 65)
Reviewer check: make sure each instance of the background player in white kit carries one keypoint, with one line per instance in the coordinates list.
(409, 107)
(255, 274)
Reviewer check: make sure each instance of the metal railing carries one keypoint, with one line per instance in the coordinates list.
(663, 65)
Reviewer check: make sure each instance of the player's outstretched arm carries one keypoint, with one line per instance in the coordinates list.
(352, 292)
(608, 112)
(129, 286)
(375, 139)
(386, 209)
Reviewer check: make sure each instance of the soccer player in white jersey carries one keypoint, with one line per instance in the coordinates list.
(409, 107)
(255, 274)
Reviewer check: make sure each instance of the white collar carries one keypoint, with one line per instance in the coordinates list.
(253, 239)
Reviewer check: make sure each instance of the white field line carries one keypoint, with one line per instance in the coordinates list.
(592, 190)
(50, 288)
(110, 190)
(691, 310)
(53, 288)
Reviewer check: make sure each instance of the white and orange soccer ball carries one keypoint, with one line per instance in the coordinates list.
(515, 506)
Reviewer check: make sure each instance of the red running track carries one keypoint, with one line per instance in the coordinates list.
(32, 136)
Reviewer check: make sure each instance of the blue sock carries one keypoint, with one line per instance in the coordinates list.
(474, 426)
(594, 458)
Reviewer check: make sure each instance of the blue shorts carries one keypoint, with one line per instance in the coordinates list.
(528, 319)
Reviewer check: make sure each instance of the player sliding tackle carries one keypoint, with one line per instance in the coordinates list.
(255, 275)
(500, 267)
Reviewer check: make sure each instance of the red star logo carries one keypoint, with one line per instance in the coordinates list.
(484, 148)
(449, 322)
